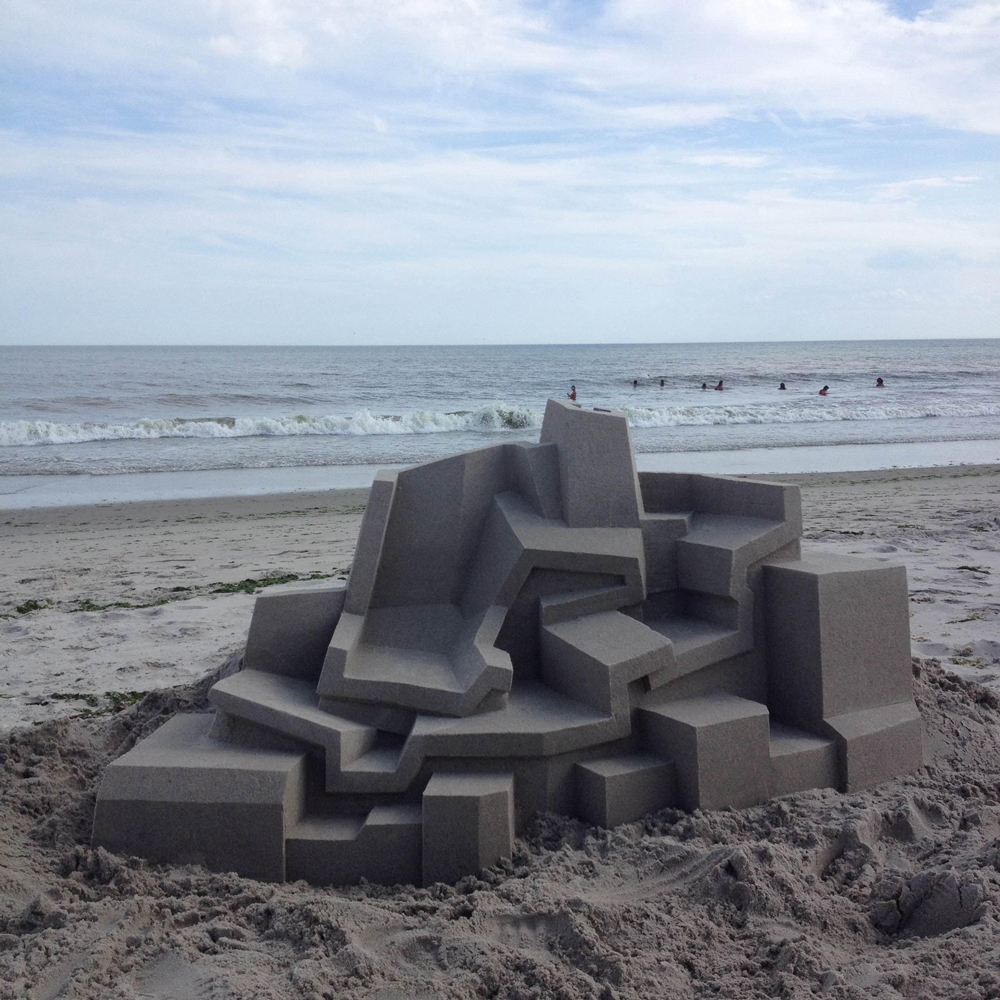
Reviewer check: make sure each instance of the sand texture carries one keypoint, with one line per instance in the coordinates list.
(888, 893)
(162, 564)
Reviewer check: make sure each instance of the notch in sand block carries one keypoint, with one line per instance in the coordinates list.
(468, 824)
(613, 790)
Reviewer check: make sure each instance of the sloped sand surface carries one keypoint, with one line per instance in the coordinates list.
(883, 894)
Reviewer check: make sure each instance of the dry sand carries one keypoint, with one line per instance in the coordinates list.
(884, 894)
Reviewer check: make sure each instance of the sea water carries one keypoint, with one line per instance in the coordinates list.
(83, 424)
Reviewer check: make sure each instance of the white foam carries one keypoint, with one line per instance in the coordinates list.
(495, 417)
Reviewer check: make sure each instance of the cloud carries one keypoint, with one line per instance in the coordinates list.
(720, 149)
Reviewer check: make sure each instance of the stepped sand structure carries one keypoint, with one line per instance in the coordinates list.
(525, 628)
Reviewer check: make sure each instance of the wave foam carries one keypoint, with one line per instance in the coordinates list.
(496, 417)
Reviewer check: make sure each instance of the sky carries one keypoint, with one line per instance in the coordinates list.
(498, 171)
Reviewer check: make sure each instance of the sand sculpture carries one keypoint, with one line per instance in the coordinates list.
(529, 627)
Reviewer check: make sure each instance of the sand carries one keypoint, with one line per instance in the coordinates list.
(883, 894)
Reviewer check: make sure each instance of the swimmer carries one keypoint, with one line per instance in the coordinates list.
(662, 383)
(635, 383)
(824, 390)
(782, 386)
(572, 392)
(879, 384)
(720, 387)
(704, 385)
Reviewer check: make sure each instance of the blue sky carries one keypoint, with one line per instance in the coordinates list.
(468, 171)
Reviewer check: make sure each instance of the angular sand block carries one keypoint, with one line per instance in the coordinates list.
(876, 744)
(181, 796)
(468, 824)
(838, 637)
(526, 628)
(597, 477)
(613, 790)
(719, 744)
(291, 629)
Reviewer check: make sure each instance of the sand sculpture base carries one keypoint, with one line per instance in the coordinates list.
(525, 628)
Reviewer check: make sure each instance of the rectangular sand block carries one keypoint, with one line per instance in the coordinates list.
(181, 796)
(838, 637)
(291, 629)
(800, 760)
(613, 790)
(468, 823)
(719, 744)
(877, 744)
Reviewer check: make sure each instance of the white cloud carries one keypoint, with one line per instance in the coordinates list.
(719, 151)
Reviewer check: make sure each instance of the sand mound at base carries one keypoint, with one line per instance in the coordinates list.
(886, 893)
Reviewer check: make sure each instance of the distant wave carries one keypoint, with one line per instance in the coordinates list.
(803, 411)
(496, 417)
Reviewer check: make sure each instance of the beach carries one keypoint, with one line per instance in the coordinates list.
(125, 598)
(883, 893)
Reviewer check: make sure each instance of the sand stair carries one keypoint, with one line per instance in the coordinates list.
(708, 616)
(728, 749)
(289, 707)
(800, 760)
(384, 845)
(595, 657)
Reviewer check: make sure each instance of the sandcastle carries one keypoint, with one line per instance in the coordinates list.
(525, 628)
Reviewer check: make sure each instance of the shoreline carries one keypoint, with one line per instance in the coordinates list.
(32, 492)
(272, 503)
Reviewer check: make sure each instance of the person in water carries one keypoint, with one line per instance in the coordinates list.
(782, 386)
(704, 385)
(572, 392)
(662, 383)
(635, 383)
(720, 387)
(879, 384)
(824, 390)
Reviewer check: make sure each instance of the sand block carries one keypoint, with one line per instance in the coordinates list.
(597, 474)
(660, 533)
(384, 846)
(290, 707)
(534, 472)
(713, 556)
(183, 797)
(719, 744)
(876, 744)
(613, 790)
(291, 629)
(594, 657)
(468, 824)
(801, 760)
(838, 637)
(371, 538)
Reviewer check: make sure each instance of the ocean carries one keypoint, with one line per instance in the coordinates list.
(83, 424)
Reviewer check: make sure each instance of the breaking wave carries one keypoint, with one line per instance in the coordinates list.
(496, 417)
